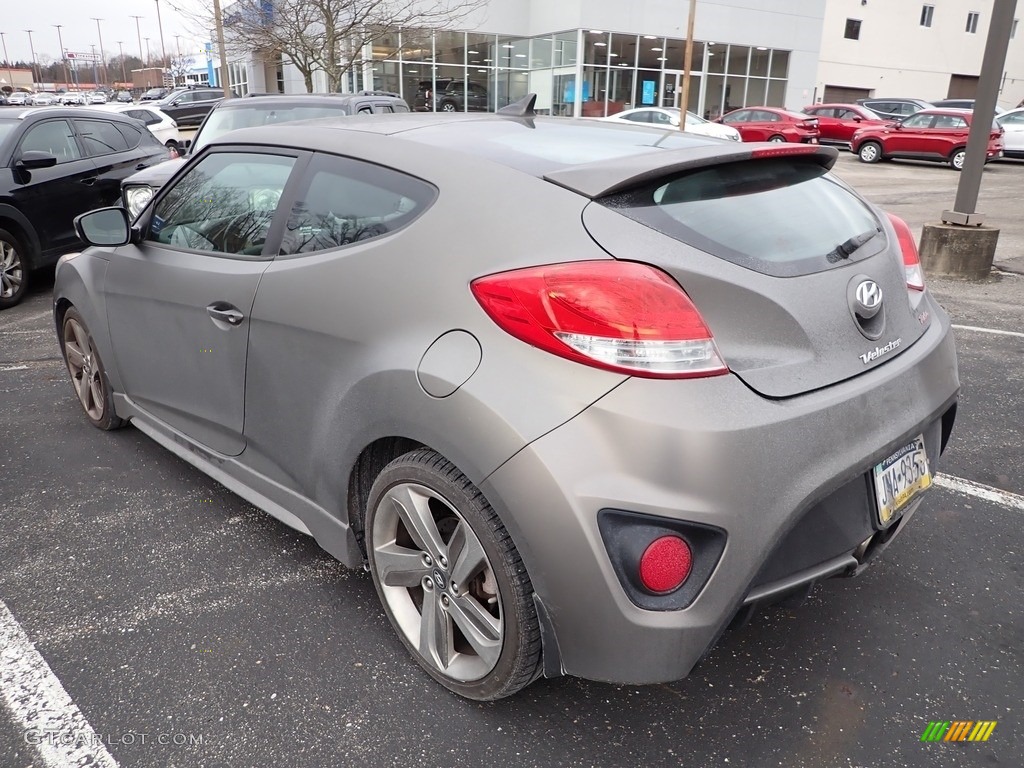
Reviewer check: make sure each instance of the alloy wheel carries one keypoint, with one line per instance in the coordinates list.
(437, 582)
(12, 271)
(83, 365)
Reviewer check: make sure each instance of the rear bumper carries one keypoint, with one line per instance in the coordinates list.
(711, 453)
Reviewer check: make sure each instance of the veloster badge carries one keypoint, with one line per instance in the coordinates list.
(877, 352)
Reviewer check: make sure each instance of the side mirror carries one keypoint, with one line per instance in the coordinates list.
(33, 158)
(104, 227)
(186, 143)
(858, 119)
(897, 126)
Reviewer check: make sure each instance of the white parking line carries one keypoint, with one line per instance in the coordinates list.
(986, 492)
(14, 368)
(41, 708)
(976, 329)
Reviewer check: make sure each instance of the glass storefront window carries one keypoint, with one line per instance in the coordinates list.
(676, 55)
(620, 89)
(646, 94)
(756, 88)
(714, 97)
(759, 62)
(776, 93)
(565, 49)
(780, 64)
(594, 92)
(505, 86)
(540, 52)
(450, 47)
(595, 48)
(716, 57)
(386, 47)
(622, 51)
(652, 52)
(735, 93)
(480, 49)
(417, 45)
(513, 53)
(387, 76)
(739, 56)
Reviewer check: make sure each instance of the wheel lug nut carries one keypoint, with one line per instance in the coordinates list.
(427, 561)
(428, 584)
(444, 600)
(443, 561)
(455, 588)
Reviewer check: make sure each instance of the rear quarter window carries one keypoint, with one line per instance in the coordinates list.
(779, 217)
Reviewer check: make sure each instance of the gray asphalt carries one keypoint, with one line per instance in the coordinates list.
(168, 606)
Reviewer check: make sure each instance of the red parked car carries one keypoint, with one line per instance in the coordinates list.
(931, 134)
(838, 122)
(772, 124)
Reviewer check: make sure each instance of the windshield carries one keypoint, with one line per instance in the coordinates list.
(223, 120)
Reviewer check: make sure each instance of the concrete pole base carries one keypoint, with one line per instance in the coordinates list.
(950, 250)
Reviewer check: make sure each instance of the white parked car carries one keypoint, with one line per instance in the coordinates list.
(42, 99)
(74, 98)
(18, 98)
(1012, 123)
(159, 124)
(97, 97)
(669, 117)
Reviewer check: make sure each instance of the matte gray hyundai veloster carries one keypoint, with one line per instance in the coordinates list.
(578, 394)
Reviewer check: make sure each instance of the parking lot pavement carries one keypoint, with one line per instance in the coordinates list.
(192, 630)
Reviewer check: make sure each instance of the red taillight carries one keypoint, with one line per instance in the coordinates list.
(665, 564)
(616, 315)
(783, 151)
(911, 259)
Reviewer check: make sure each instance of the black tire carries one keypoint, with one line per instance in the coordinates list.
(956, 159)
(83, 363)
(869, 152)
(777, 139)
(14, 270)
(413, 585)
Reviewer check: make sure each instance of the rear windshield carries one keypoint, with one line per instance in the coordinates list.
(778, 217)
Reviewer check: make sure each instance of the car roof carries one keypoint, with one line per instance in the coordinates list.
(537, 146)
(299, 100)
(23, 112)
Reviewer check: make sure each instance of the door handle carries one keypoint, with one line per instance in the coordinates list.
(140, 166)
(89, 181)
(221, 310)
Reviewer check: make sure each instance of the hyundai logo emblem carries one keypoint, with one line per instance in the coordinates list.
(869, 298)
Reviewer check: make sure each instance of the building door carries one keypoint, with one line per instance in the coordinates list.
(672, 90)
(962, 87)
(838, 94)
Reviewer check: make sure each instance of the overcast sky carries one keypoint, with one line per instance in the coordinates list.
(79, 29)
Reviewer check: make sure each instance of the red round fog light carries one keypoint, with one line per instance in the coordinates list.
(665, 564)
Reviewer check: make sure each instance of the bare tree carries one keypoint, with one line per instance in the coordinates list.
(181, 66)
(330, 35)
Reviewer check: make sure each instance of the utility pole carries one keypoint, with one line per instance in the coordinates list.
(147, 51)
(139, 33)
(960, 246)
(103, 59)
(160, 24)
(63, 54)
(7, 60)
(32, 48)
(218, 19)
(177, 39)
(124, 72)
(684, 105)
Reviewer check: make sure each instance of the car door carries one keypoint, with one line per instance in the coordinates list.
(118, 150)
(1013, 132)
(309, 320)
(178, 303)
(50, 198)
(829, 126)
(947, 133)
(847, 122)
(740, 121)
(910, 137)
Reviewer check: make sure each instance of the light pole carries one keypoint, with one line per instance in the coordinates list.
(160, 25)
(147, 50)
(103, 60)
(33, 50)
(684, 105)
(124, 72)
(177, 39)
(7, 60)
(63, 54)
(139, 33)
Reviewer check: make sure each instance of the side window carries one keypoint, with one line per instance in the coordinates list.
(145, 115)
(385, 108)
(639, 117)
(908, 109)
(401, 108)
(223, 205)
(661, 118)
(367, 110)
(131, 134)
(54, 137)
(736, 117)
(100, 138)
(343, 201)
(918, 121)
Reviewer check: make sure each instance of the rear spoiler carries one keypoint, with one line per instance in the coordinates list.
(605, 177)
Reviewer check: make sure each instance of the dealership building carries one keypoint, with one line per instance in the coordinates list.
(596, 57)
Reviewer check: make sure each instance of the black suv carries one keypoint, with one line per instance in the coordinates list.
(56, 163)
(450, 96)
(261, 109)
(189, 106)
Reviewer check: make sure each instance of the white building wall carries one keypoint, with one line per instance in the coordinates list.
(896, 56)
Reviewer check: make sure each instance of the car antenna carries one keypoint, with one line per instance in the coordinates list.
(521, 108)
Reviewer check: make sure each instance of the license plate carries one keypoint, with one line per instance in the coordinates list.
(899, 478)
